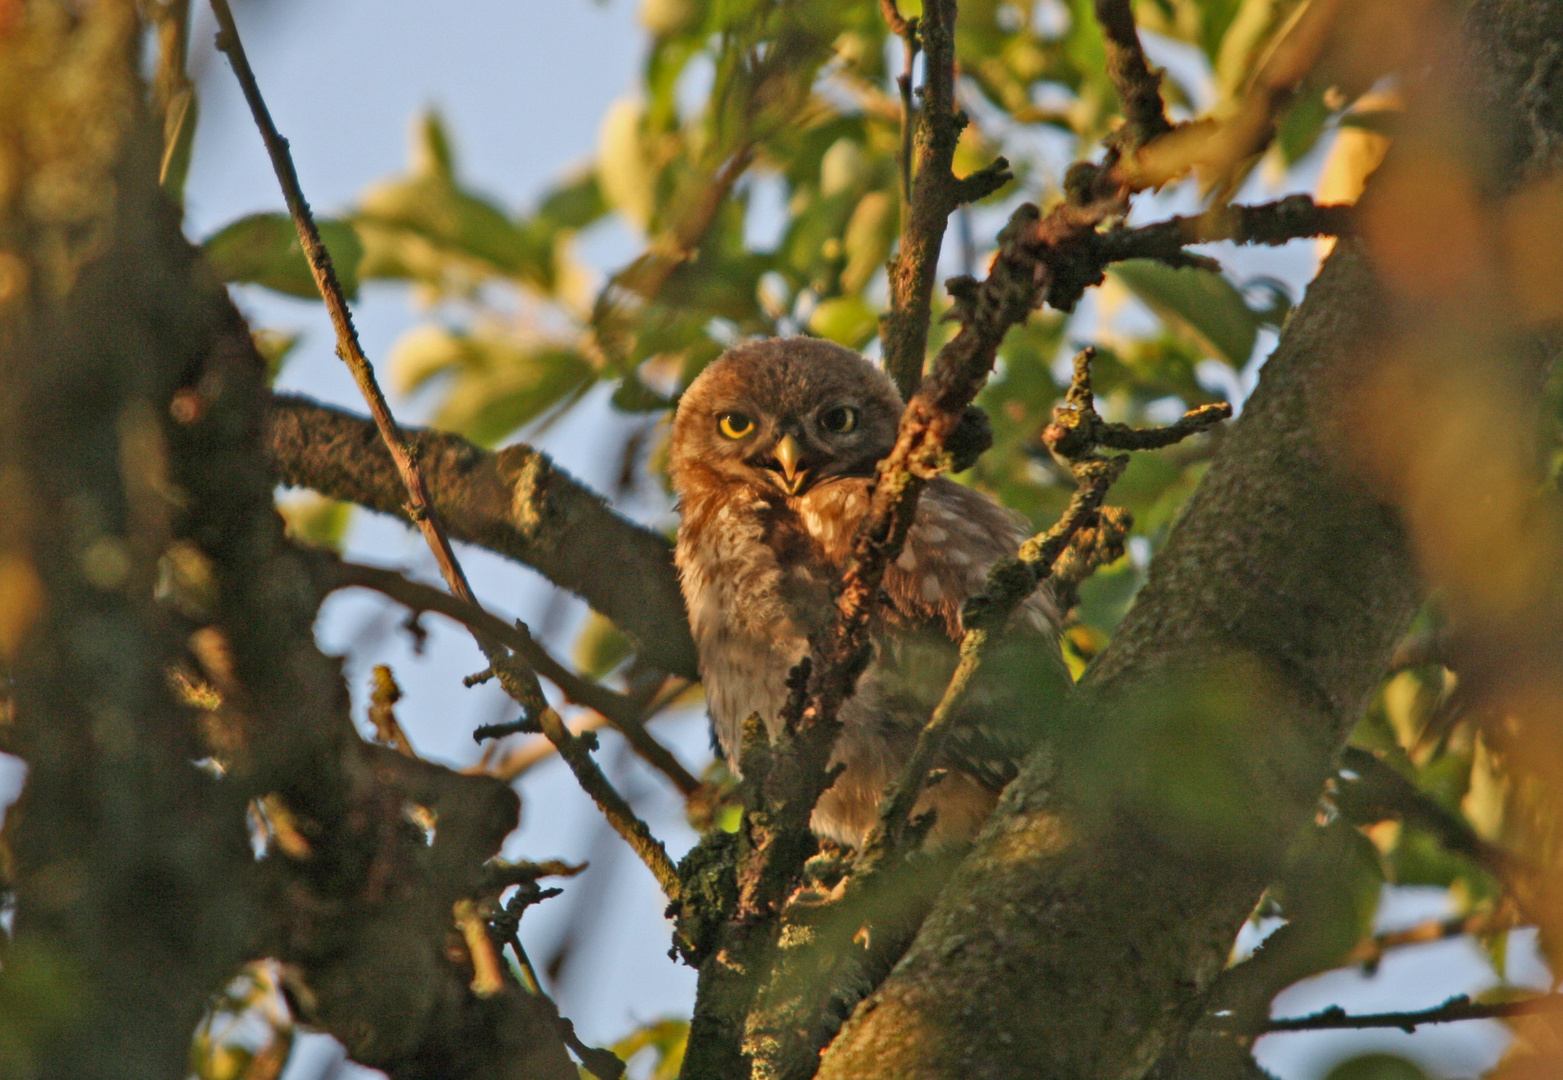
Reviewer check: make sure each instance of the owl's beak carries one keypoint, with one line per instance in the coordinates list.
(787, 454)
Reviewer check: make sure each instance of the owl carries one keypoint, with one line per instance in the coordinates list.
(773, 450)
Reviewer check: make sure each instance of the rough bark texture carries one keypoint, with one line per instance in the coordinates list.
(115, 824)
(138, 519)
(1105, 893)
(514, 501)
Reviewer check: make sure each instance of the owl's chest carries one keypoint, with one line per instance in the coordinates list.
(757, 583)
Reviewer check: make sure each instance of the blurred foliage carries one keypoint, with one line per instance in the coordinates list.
(755, 166)
(1376, 1067)
(247, 1034)
(656, 1051)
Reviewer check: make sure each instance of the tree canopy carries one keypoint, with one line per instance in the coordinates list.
(1316, 649)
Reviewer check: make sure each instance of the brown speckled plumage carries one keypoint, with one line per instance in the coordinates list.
(757, 563)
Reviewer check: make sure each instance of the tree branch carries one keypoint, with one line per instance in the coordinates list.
(622, 711)
(932, 191)
(1139, 89)
(519, 681)
(1136, 845)
(1459, 1007)
(514, 501)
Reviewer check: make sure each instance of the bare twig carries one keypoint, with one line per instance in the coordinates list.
(1292, 218)
(1077, 429)
(1459, 1007)
(1010, 582)
(623, 712)
(519, 681)
(1139, 88)
(932, 191)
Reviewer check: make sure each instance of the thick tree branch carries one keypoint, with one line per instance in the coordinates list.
(519, 680)
(513, 501)
(131, 375)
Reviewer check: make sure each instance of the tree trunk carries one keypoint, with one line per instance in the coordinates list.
(1105, 894)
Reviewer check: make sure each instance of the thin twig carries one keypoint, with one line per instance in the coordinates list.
(1010, 582)
(1459, 1007)
(620, 710)
(519, 681)
(1295, 217)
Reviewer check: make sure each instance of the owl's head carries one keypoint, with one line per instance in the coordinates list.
(786, 414)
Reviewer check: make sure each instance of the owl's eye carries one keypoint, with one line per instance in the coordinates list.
(840, 420)
(735, 425)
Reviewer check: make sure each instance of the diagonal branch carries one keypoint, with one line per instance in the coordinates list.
(624, 712)
(514, 501)
(518, 680)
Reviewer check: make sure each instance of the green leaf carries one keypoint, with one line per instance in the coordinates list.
(846, 320)
(316, 520)
(497, 384)
(275, 346)
(432, 152)
(665, 1039)
(427, 229)
(1376, 1067)
(263, 249)
(869, 233)
(600, 647)
(1198, 301)
(1303, 124)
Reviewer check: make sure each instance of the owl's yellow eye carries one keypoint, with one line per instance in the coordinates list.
(735, 425)
(840, 420)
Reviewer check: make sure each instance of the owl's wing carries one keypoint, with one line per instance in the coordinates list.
(957, 534)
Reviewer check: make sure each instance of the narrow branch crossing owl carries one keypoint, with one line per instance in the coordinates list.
(774, 449)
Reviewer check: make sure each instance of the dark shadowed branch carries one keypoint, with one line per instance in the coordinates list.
(1455, 1009)
(1139, 88)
